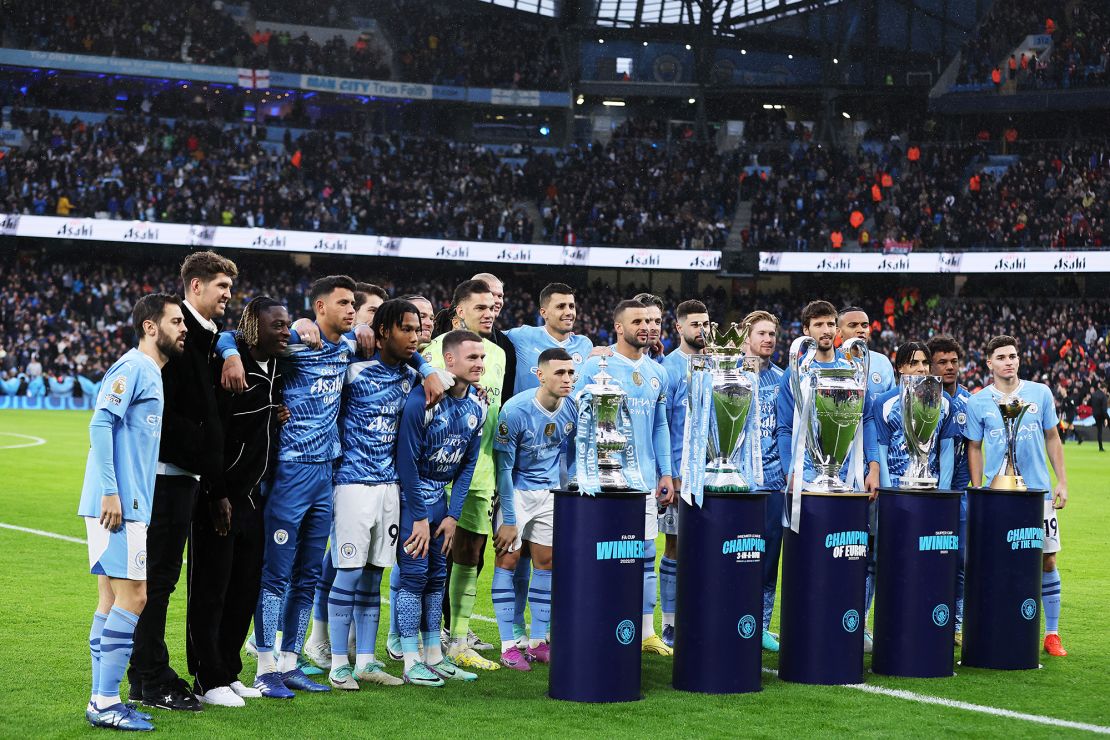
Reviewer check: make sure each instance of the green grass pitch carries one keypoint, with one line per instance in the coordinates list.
(48, 598)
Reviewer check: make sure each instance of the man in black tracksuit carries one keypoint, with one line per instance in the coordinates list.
(191, 446)
(227, 539)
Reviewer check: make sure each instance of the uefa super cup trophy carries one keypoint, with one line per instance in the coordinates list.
(1012, 408)
(829, 401)
(921, 397)
(725, 406)
(605, 426)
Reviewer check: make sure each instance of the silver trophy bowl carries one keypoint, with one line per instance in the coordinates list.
(921, 397)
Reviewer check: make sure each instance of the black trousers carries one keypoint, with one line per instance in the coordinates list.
(170, 517)
(224, 576)
(1100, 421)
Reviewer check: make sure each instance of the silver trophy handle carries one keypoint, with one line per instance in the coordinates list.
(802, 351)
(856, 352)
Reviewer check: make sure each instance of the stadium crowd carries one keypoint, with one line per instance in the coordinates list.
(1079, 56)
(134, 167)
(1048, 196)
(432, 44)
(68, 318)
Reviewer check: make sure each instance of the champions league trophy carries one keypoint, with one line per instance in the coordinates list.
(1012, 408)
(921, 397)
(604, 450)
(723, 388)
(829, 402)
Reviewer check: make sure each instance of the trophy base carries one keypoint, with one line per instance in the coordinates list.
(828, 484)
(1008, 483)
(612, 479)
(918, 484)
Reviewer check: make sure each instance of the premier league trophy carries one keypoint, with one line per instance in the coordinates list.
(915, 595)
(1002, 575)
(718, 631)
(829, 402)
(921, 397)
(1012, 408)
(598, 548)
(824, 566)
(722, 389)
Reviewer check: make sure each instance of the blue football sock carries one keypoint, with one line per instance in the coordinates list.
(539, 598)
(433, 612)
(117, 639)
(1050, 599)
(408, 619)
(504, 602)
(650, 579)
(340, 610)
(768, 605)
(668, 584)
(367, 609)
(323, 586)
(394, 589)
(521, 576)
(95, 635)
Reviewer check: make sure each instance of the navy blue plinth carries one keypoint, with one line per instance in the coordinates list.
(917, 548)
(719, 610)
(597, 591)
(1002, 579)
(824, 571)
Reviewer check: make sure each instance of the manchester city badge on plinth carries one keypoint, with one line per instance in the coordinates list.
(597, 556)
(918, 551)
(1002, 574)
(824, 561)
(718, 631)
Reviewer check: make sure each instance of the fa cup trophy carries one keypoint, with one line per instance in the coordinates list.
(1012, 408)
(829, 402)
(605, 458)
(921, 397)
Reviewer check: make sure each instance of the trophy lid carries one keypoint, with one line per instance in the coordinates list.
(603, 383)
(1011, 405)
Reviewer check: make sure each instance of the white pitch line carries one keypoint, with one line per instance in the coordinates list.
(967, 706)
(41, 533)
(35, 441)
(866, 688)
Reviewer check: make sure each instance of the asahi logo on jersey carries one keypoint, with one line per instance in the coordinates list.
(326, 385)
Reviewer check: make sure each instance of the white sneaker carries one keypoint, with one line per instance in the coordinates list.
(319, 653)
(222, 696)
(246, 692)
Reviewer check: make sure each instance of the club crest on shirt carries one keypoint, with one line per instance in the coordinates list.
(503, 429)
(472, 421)
(1033, 408)
(281, 536)
(406, 386)
(655, 384)
(568, 427)
(876, 378)
(549, 430)
(961, 418)
(119, 385)
(637, 378)
(428, 355)
(343, 356)
(577, 357)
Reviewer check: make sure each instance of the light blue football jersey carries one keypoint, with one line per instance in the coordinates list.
(984, 423)
(530, 341)
(373, 397)
(132, 393)
(645, 382)
(957, 421)
(881, 375)
(534, 439)
(677, 364)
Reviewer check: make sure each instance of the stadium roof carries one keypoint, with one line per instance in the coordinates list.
(727, 14)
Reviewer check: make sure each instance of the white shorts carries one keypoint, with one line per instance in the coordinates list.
(535, 517)
(365, 521)
(119, 554)
(651, 518)
(1051, 529)
(668, 520)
